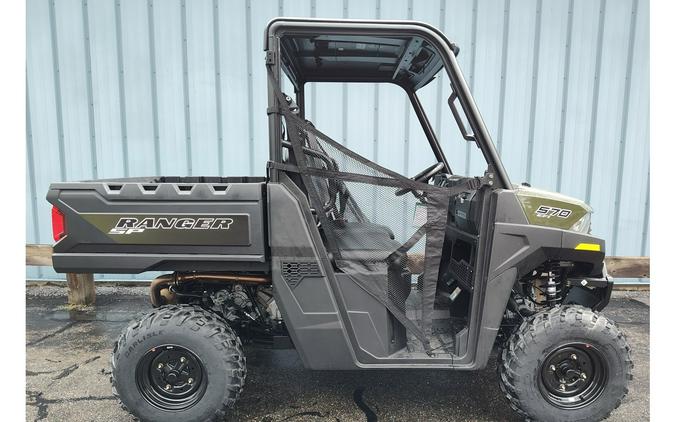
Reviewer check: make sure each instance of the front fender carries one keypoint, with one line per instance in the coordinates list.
(525, 247)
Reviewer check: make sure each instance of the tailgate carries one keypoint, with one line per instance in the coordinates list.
(136, 225)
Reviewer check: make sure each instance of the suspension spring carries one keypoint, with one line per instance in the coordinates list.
(553, 285)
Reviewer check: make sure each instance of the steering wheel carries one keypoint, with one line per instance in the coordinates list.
(425, 174)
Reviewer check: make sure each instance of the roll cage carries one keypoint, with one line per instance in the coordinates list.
(406, 53)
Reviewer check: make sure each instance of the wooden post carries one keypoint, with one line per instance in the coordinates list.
(39, 255)
(628, 266)
(81, 289)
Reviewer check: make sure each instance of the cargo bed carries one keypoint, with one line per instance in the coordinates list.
(133, 225)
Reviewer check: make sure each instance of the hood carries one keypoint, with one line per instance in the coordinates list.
(552, 209)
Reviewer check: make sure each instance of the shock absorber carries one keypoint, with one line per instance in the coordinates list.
(553, 285)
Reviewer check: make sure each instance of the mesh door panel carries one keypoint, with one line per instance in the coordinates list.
(375, 221)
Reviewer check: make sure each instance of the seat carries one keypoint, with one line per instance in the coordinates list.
(364, 240)
(367, 247)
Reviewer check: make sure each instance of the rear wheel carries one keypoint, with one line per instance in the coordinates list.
(178, 363)
(566, 364)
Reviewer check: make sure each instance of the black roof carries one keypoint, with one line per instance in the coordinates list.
(406, 60)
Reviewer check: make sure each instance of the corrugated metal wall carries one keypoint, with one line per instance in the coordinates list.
(144, 87)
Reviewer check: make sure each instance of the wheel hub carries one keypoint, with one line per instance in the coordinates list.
(171, 377)
(574, 375)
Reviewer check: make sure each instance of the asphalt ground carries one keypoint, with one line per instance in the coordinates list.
(68, 372)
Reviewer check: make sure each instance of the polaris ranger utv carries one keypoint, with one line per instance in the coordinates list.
(350, 263)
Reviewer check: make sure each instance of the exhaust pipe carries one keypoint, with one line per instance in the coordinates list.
(161, 294)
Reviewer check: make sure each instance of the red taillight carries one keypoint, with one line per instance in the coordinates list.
(58, 224)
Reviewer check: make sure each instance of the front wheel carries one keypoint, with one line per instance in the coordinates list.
(566, 364)
(178, 363)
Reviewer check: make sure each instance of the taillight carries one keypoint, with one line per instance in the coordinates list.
(58, 224)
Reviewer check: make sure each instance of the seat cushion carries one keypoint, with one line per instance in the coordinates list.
(364, 240)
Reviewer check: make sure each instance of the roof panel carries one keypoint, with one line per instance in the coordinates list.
(408, 61)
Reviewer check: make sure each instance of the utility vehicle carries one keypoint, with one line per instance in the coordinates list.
(352, 264)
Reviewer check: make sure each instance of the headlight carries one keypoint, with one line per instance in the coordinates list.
(583, 225)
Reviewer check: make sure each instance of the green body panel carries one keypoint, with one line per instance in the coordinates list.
(549, 209)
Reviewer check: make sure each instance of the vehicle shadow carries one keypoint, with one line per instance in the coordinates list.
(280, 389)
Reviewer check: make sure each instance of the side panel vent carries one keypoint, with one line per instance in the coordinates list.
(295, 272)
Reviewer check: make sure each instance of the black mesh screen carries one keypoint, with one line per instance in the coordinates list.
(376, 222)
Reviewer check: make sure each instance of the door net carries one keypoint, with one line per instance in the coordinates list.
(383, 230)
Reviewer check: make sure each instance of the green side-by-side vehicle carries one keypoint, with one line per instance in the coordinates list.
(350, 263)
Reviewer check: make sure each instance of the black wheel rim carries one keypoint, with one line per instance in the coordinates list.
(171, 377)
(573, 375)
